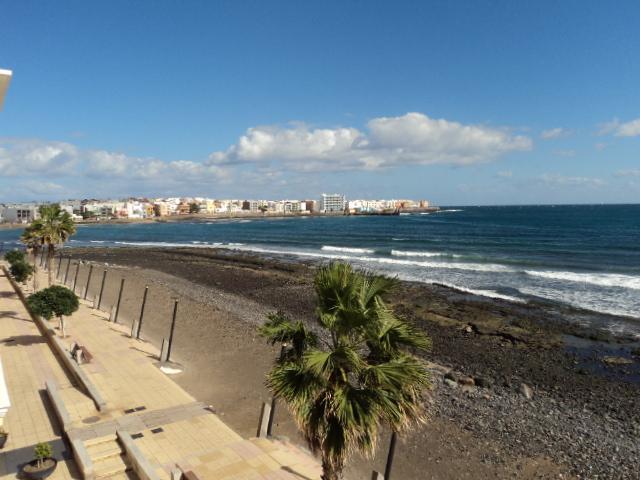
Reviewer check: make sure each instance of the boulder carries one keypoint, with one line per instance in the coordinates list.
(617, 361)
(526, 391)
(450, 383)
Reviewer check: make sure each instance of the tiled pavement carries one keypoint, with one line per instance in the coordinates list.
(28, 362)
(169, 426)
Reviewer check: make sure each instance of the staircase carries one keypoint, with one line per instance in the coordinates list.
(108, 458)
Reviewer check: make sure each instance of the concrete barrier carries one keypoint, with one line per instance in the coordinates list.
(82, 458)
(58, 404)
(139, 463)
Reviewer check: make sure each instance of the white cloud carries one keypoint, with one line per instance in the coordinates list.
(635, 172)
(619, 129)
(565, 153)
(26, 157)
(568, 181)
(31, 158)
(553, 133)
(505, 174)
(411, 139)
(42, 188)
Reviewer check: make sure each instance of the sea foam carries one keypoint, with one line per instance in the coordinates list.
(600, 279)
(329, 248)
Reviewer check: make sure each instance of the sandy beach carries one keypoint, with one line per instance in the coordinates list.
(582, 420)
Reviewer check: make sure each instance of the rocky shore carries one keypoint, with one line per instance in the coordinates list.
(519, 392)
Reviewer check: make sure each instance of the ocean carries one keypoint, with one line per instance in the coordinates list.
(585, 256)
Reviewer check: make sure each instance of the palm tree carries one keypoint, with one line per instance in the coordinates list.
(355, 374)
(33, 238)
(57, 227)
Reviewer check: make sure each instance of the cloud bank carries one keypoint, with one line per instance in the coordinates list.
(411, 139)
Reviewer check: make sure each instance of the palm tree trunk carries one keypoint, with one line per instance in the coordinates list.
(50, 254)
(330, 469)
(62, 326)
(35, 269)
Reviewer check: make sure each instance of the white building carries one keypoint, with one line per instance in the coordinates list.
(333, 202)
(20, 213)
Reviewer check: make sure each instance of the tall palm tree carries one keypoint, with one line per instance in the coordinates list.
(57, 227)
(352, 373)
(33, 238)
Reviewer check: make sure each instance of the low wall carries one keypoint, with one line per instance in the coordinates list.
(59, 349)
(139, 463)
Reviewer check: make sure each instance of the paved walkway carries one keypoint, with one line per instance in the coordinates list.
(28, 362)
(169, 426)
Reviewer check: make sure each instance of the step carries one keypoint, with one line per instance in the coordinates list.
(104, 450)
(122, 476)
(98, 440)
(111, 466)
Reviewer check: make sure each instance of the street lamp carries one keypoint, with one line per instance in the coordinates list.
(5, 78)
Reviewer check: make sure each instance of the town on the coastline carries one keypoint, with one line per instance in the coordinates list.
(135, 208)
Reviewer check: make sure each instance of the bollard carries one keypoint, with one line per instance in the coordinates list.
(144, 301)
(104, 277)
(390, 455)
(173, 326)
(86, 287)
(272, 412)
(377, 476)
(75, 277)
(161, 350)
(115, 319)
(264, 420)
(66, 273)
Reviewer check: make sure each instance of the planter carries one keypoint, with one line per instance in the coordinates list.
(32, 472)
(3, 439)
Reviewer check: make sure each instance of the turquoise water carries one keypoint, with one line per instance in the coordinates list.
(582, 256)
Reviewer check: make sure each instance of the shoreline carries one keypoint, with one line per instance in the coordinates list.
(500, 345)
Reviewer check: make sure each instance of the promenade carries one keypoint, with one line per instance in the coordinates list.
(133, 422)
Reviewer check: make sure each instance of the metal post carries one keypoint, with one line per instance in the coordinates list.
(392, 451)
(75, 277)
(144, 301)
(173, 326)
(59, 265)
(272, 412)
(115, 318)
(66, 273)
(104, 277)
(86, 287)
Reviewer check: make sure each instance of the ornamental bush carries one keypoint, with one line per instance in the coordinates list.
(21, 271)
(14, 256)
(53, 301)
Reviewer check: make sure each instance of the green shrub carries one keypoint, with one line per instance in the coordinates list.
(14, 256)
(42, 451)
(21, 271)
(53, 301)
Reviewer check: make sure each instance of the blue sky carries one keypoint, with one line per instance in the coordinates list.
(482, 102)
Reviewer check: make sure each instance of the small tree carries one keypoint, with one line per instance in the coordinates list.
(42, 452)
(14, 256)
(194, 208)
(21, 271)
(54, 301)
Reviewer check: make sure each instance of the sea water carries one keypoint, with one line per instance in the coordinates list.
(585, 256)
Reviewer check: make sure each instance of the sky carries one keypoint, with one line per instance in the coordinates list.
(457, 102)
